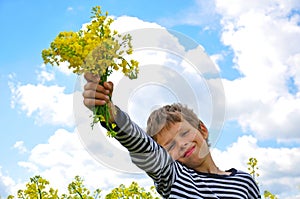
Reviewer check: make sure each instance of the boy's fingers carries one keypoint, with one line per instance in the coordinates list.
(93, 102)
(90, 94)
(90, 86)
(109, 86)
(90, 77)
(95, 87)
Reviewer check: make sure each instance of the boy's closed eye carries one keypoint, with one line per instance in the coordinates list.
(184, 133)
(170, 146)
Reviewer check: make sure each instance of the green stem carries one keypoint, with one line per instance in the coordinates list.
(74, 188)
(39, 190)
(101, 113)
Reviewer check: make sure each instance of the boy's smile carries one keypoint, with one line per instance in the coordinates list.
(184, 143)
(189, 151)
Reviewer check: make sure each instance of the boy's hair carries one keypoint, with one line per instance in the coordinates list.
(170, 114)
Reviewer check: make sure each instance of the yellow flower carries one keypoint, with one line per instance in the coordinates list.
(95, 49)
(129, 51)
(124, 63)
(102, 119)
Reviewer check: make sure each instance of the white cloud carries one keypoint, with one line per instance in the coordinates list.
(48, 104)
(64, 68)
(215, 59)
(20, 146)
(43, 75)
(294, 64)
(265, 39)
(236, 8)
(6, 184)
(126, 23)
(30, 167)
(63, 157)
(277, 166)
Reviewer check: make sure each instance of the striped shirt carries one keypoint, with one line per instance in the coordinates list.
(173, 179)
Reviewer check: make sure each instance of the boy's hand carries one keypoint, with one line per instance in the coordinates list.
(95, 94)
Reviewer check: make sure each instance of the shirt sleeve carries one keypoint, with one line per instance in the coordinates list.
(254, 190)
(145, 153)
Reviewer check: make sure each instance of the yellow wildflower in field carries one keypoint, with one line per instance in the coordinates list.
(96, 49)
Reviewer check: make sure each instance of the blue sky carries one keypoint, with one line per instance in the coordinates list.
(255, 46)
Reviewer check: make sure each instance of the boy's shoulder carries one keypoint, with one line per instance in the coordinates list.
(241, 173)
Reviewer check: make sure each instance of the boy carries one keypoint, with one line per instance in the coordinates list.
(174, 152)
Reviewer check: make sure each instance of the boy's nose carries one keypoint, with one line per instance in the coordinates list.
(183, 146)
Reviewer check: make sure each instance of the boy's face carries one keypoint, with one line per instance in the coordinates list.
(185, 143)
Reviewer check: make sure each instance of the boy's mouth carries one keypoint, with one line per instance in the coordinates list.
(189, 152)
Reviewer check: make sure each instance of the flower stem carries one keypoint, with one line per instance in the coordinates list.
(102, 113)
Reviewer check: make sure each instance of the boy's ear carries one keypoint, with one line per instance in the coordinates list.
(203, 130)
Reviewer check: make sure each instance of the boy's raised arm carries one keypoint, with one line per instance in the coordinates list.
(144, 151)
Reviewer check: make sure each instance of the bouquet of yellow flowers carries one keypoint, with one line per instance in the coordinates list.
(96, 49)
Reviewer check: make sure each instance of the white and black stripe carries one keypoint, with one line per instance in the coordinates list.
(173, 179)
